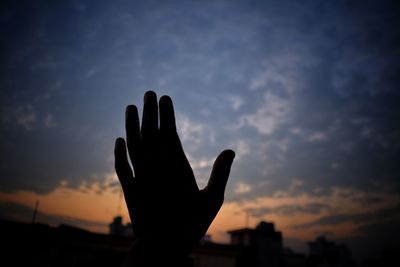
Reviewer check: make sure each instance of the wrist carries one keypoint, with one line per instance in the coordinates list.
(153, 253)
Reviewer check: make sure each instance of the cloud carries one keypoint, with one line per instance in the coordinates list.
(295, 185)
(289, 210)
(194, 134)
(27, 120)
(335, 165)
(317, 137)
(201, 163)
(364, 217)
(91, 205)
(269, 116)
(241, 188)
(339, 210)
(236, 101)
(241, 147)
(259, 81)
(371, 240)
(27, 116)
(24, 116)
(49, 121)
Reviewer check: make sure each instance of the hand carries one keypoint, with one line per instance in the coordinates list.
(164, 202)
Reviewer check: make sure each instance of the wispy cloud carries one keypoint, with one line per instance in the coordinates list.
(49, 121)
(194, 134)
(235, 101)
(317, 137)
(241, 188)
(289, 210)
(26, 118)
(269, 116)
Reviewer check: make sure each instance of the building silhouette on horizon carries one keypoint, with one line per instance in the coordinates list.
(327, 253)
(117, 228)
(266, 242)
(261, 246)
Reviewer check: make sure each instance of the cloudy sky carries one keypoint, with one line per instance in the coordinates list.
(306, 93)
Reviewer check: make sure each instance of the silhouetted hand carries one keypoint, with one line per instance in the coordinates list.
(168, 211)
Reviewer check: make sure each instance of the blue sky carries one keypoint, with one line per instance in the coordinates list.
(305, 92)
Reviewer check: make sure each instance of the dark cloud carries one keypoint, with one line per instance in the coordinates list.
(289, 210)
(370, 240)
(366, 217)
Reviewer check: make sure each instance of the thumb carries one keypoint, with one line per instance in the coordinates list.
(220, 172)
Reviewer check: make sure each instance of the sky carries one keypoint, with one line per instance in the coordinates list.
(305, 92)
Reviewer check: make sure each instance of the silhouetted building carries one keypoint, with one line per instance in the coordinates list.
(266, 242)
(259, 247)
(387, 257)
(41, 245)
(221, 255)
(293, 259)
(118, 229)
(206, 240)
(71, 246)
(324, 253)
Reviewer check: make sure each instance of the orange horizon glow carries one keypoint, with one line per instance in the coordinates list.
(87, 204)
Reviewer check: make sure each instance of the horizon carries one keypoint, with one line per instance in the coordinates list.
(295, 247)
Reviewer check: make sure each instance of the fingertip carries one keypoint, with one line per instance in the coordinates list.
(150, 116)
(120, 140)
(119, 143)
(119, 150)
(220, 172)
(229, 153)
(165, 99)
(130, 109)
(149, 95)
(121, 164)
(167, 116)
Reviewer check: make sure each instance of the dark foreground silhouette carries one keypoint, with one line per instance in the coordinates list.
(166, 207)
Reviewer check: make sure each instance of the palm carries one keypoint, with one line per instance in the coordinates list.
(163, 198)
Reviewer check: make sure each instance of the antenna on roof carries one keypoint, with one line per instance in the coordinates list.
(35, 211)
